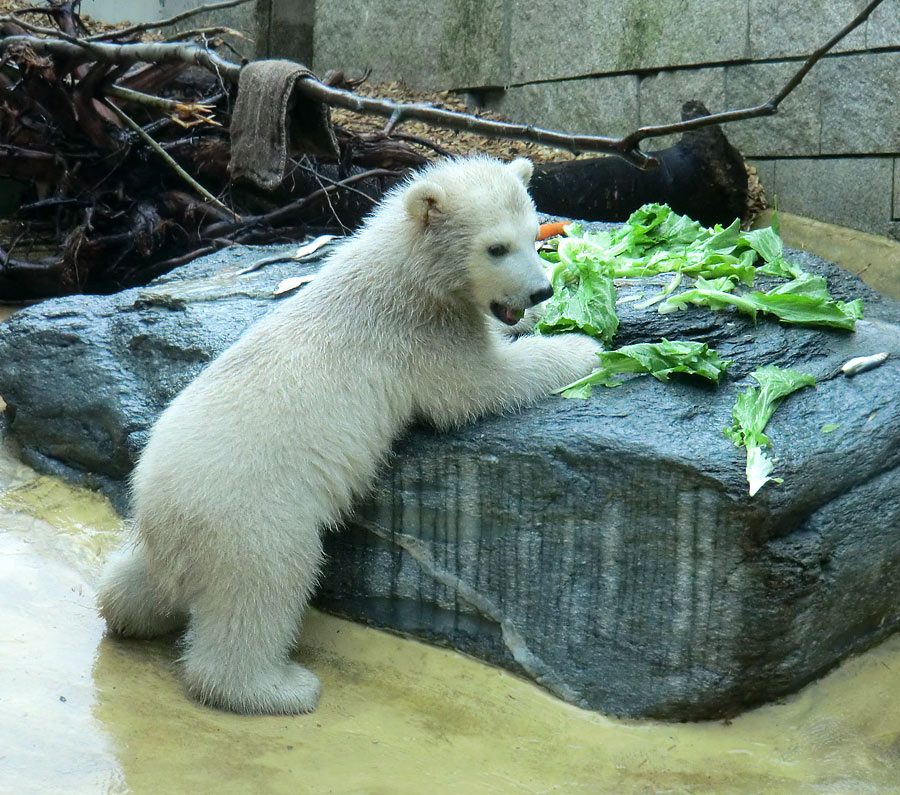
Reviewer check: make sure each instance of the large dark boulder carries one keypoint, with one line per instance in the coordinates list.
(607, 548)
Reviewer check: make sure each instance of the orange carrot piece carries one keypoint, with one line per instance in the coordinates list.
(552, 229)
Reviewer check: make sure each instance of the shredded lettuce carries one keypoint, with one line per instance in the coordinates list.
(656, 240)
(802, 301)
(659, 359)
(752, 412)
(584, 296)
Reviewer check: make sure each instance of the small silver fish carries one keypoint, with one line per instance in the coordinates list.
(860, 364)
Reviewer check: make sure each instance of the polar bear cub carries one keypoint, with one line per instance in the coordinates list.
(268, 446)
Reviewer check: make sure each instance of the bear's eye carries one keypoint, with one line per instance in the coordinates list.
(497, 250)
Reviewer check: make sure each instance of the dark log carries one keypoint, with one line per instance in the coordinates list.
(377, 151)
(21, 280)
(29, 164)
(702, 176)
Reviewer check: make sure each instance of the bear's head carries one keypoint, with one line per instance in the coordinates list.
(478, 226)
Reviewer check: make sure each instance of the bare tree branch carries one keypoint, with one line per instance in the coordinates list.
(452, 120)
(87, 49)
(124, 54)
(222, 228)
(134, 126)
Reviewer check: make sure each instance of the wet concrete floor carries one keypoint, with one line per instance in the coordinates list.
(83, 713)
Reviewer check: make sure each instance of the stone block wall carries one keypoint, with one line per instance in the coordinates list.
(607, 67)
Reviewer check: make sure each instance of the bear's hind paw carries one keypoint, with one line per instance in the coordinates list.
(290, 689)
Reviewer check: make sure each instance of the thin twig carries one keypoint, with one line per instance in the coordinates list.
(142, 26)
(134, 126)
(166, 265)
(418, 139)
(227, 227)
(190, 34)
(321, 177)
(327, 197)
(55, 201)
(194, 112)
(30, 10)
(811, 61)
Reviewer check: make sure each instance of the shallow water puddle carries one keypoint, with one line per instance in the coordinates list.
(83, 713)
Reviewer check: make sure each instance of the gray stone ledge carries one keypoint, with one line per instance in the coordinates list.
(606, 548)
(848, 191)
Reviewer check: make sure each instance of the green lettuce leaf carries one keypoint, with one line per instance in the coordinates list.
(584, 296)
(659, 359)
(804, 301)
(752, 412)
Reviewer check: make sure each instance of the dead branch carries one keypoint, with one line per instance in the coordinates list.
(170, 161)
(81, 51)
(281, 213)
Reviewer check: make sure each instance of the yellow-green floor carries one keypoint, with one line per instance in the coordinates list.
(82, 713)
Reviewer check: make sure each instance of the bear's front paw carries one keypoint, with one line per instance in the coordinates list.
(581, 352)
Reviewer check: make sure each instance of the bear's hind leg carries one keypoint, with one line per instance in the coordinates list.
(130, 598)
(239, 641)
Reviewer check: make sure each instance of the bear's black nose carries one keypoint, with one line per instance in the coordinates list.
(541, 295)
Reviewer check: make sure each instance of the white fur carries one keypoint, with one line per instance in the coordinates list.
(270, 444)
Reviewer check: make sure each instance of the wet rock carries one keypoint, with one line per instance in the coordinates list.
(606, 548)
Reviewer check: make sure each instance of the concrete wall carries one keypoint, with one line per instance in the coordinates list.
(607, 67)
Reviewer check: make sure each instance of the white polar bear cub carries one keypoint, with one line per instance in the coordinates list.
(269, 445)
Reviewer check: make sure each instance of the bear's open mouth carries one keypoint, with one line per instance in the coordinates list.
(507, 314)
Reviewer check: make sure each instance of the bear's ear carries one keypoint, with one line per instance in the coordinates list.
(425, 201)
(523, 169)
